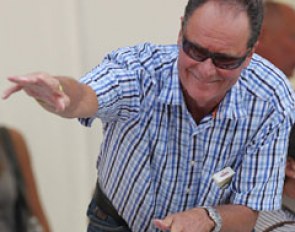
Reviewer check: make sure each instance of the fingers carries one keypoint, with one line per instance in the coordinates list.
(164, 224)
(33, 81)
(62, 103)
(47, 90)
(55, 100)
(7, 93)
(186, 221)
(26, 79)
(161, 225)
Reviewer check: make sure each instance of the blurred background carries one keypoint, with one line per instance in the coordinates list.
(69, 37)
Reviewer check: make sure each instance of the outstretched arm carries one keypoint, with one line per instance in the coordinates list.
(63, 96)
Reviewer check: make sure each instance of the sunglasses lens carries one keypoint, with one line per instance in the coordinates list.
(228, 63)
(193, 51)
(200, 54)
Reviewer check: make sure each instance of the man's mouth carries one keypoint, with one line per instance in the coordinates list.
(205, 80)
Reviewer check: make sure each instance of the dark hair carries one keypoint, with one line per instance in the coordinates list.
(254, 9)
(291, 147)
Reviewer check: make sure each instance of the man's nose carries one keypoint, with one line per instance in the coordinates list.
(207, 68)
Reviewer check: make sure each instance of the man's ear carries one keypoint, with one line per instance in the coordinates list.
(249, 57)
(290, 168)
(179, 38)
(254, 48)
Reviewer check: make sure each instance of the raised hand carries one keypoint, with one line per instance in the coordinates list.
(46, 89)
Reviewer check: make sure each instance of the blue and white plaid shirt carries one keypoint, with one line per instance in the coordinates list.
(156, 160)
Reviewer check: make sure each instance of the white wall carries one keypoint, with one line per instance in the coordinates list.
(289, 2)
(69, 37)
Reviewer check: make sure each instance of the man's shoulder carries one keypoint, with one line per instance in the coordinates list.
(262, 70)
(264, 81)
(144, 56)
(147, 50)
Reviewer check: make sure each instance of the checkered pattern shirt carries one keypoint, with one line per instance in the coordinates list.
(155, 160)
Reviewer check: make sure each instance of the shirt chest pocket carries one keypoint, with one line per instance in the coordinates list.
(215, 195)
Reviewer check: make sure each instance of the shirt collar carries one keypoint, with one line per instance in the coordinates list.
(232, 106)
(171, 94)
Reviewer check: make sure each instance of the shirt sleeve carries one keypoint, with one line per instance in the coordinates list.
(117, 87)
(259, 181)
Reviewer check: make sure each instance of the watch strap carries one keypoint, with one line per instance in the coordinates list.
(215, 216)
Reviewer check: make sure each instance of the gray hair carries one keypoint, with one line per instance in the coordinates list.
(253, 8)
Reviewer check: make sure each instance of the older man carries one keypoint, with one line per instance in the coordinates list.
(195, 134)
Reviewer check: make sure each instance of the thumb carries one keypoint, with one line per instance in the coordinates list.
(163, 224)
(10, 91)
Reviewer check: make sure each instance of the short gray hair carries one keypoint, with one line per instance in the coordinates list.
(253, 8)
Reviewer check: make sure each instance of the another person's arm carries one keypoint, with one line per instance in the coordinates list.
(63, 96)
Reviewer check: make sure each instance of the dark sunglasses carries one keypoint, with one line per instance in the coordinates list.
(201, 54)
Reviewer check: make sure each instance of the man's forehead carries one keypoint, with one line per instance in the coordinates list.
(206, 21)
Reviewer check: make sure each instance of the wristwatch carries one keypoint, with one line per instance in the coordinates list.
(215, 216)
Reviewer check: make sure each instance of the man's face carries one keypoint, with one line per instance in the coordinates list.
(217, 29)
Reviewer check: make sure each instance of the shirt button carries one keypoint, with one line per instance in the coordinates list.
(188, 190)
(193, 163)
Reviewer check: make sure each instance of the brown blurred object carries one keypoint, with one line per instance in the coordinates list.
(277, 40)
(24, 161)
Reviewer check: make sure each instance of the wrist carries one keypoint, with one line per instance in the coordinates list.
(214, 215)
